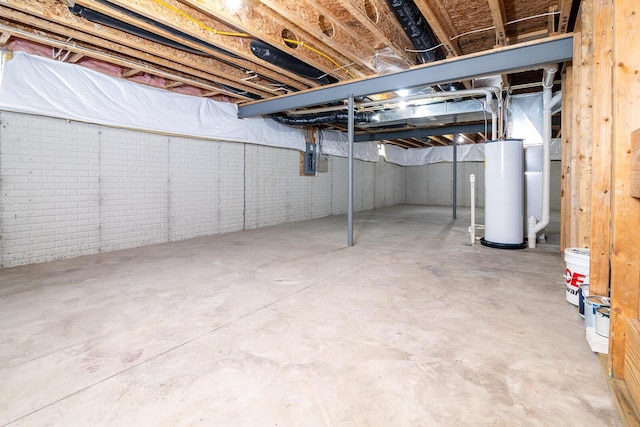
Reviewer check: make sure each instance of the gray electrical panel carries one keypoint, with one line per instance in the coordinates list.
(310, 157)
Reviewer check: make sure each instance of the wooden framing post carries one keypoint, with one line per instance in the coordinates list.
(567, 138)
(601, 146)
(584, 125)
(625, 210)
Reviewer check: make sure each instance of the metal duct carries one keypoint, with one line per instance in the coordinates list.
(416, 28)
(321, 118)
(282, 59)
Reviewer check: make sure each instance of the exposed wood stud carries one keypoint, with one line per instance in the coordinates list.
(75, 57)
(564, 6)
(601, 129)
(551, 20)
(584, 123)
(173, 85)
(129, 73)
(4, 38)
(441, 25)
(498, 16)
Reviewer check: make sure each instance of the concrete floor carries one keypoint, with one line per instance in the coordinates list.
(284, 326)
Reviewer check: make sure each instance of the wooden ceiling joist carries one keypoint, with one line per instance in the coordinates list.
(75, 58)
(440, 23)
(371, 22)
(411, 143)
(442, 26)
(320, 23)
(74, 48)
(4, 39)
(41, 14)
(467, 138)
(564, 6)
(263, 23)
(499, 18)
(129, 73)
(238, 46)
(439, 140)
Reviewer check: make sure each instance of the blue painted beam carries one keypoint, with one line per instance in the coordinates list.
(524, 56)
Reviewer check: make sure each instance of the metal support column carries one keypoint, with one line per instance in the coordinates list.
(455, 174)
(350, 174)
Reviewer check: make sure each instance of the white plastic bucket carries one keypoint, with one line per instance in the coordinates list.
(602, 321)
(577, 272)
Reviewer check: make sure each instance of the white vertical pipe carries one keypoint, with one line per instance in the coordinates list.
(472, 229)
(455, 176)
(350, 174)
(547, 84)
(494, 125)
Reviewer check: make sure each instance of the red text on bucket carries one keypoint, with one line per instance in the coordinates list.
(574, 279)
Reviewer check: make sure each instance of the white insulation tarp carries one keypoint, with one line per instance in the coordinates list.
(335, 143)
(466, 153)
(425, 156)
(35, 85)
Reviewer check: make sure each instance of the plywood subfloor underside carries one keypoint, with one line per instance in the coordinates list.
(285, 326)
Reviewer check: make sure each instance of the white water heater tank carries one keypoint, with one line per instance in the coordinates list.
(504, 194)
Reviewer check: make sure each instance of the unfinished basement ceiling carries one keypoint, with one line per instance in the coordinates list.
(245, 50)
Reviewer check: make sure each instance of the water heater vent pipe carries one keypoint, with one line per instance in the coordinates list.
(535, 227)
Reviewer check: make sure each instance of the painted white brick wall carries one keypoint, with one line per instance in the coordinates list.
(134, 189)
(416, 185)
(230, 187)
(193, 188)
(431, 184)
(70, 188)
(338, 169)
(439, 182)
(463, 188)
(49, 189)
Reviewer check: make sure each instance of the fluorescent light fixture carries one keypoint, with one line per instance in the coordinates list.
(403, 92)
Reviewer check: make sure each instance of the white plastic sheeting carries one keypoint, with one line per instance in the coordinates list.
(425, 156)
(466, 153)
(336, 143)
(35, 85)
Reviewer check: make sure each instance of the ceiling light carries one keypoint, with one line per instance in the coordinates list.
(402, 105)
(403, 92)
(234, 4)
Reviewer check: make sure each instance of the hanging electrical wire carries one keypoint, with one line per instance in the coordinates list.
(479, 30)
